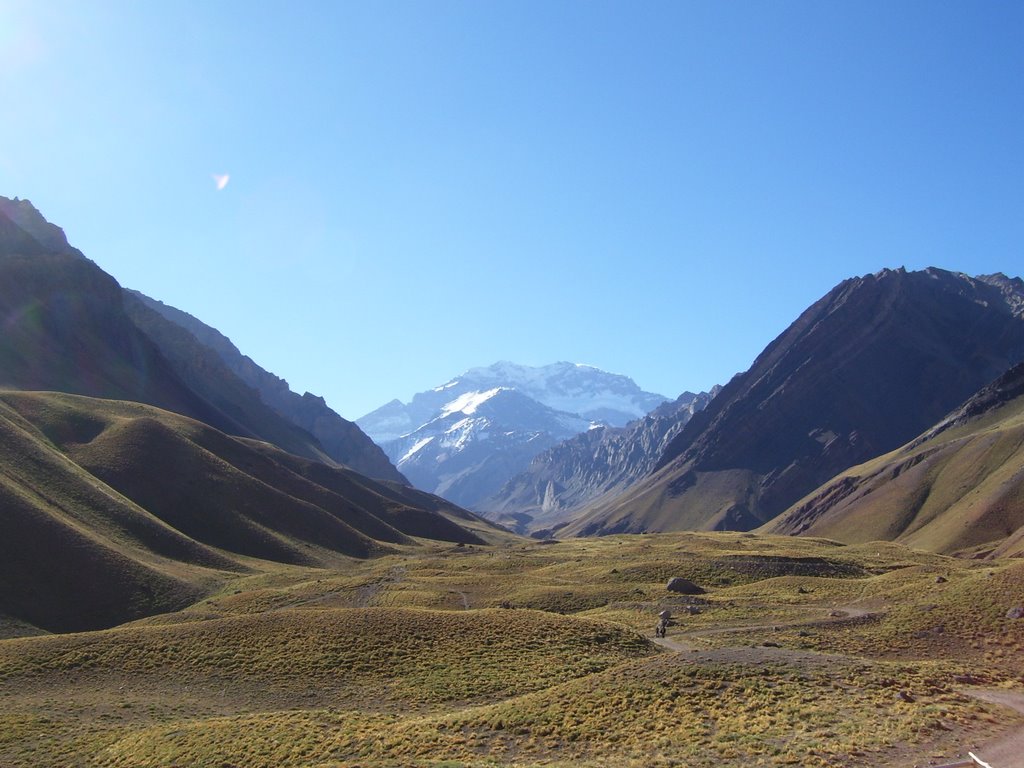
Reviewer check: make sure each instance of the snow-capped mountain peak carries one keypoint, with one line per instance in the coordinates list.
(465, 438)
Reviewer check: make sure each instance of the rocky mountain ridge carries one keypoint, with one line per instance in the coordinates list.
(339, 439)
(573, 388)
(869, 366)
(603, 460)
(74, 329)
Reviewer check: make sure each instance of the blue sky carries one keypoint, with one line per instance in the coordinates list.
(417, 188)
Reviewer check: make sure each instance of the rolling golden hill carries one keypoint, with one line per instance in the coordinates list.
(116, 510)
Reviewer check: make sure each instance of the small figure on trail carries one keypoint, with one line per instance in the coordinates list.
(659, 630)
(663, 620)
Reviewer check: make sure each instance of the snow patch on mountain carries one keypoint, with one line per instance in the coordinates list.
(469, 402)
(416, 447)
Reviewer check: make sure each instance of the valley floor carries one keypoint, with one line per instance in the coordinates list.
(800, 652)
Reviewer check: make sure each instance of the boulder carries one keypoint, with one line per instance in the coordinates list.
(683, 586)
(1017, 612)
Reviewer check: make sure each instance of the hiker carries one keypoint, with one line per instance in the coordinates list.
(663, 621)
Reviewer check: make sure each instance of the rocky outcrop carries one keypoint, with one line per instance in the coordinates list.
(24, 231)
(682, 586)
(868, 367)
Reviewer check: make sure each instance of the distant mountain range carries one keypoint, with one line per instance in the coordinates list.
(581, 390)
(871, 365)
(466, 438)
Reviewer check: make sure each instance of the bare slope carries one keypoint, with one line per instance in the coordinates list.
(866, 368)
(958, 486)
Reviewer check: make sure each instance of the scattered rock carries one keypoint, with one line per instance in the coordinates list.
(683, 586)
(905, 696)
(940, 579)
(665, 616)
(693, 610)
(803, 590)
(770, 644)
(967, 680)
(1017, 612)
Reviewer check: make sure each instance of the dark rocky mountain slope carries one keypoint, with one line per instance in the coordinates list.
(959, 486)
(212, 365)
(70, 327)
(565, 477)
(65, 328)
(866, 368)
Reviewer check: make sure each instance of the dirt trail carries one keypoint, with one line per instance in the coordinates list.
(680, 639)
(368, 594)
(674, 644)
(1006, 751)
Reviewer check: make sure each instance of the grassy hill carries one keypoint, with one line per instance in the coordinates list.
(115, 510)
(959, 487)
(74, 553)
